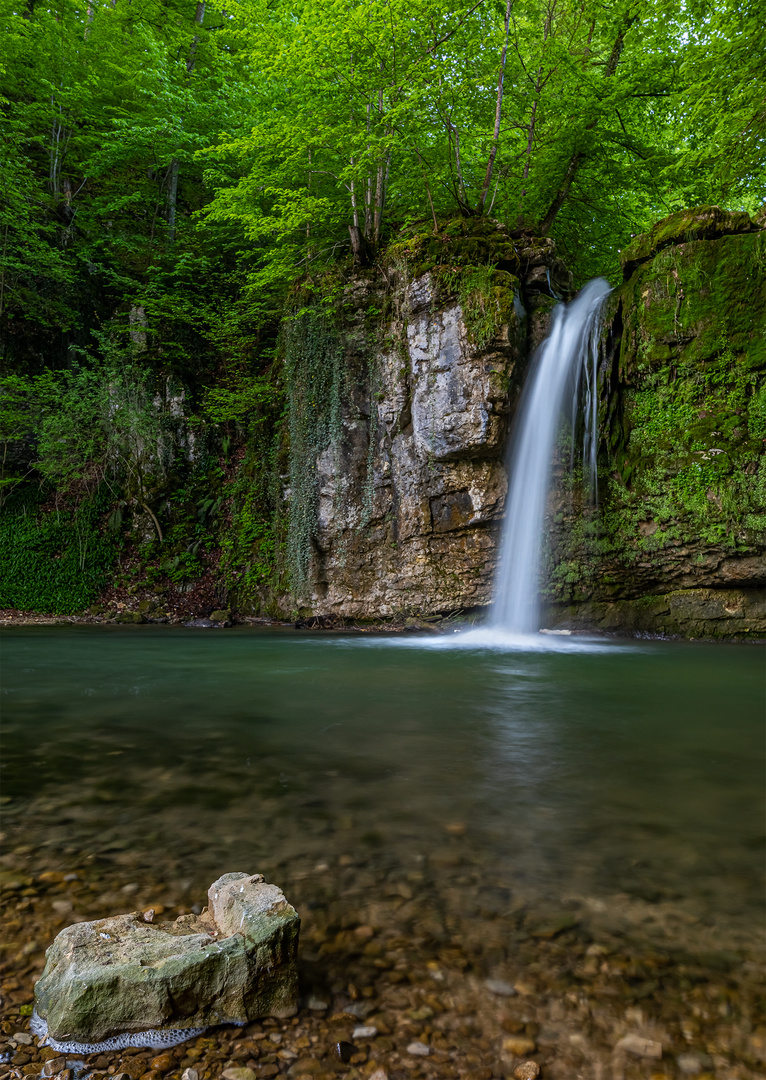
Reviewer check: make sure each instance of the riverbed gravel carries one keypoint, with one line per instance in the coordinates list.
(433, 969)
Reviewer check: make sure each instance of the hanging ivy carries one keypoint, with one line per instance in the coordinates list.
(316, 381)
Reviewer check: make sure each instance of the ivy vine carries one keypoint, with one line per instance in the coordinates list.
(316, 385)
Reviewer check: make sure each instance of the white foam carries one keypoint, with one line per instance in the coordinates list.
(490, 638)
(149, 1040)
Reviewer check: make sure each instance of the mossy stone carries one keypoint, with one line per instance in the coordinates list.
(696, 223)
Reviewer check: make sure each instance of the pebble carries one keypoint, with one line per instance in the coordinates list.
(379, 1074)
(235, 1074)
(527, 1070)
(641, 1047)
(364, 1032)
(316, 1004)
(499, 987)
(689, 1064)
(344, 1050)
(418, 1049)
(162, 1062)
(22, 1038)
(518, 1046)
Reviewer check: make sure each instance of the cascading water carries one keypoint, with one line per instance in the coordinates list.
(568, 354)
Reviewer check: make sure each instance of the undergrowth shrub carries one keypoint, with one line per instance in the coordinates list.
(54, 560)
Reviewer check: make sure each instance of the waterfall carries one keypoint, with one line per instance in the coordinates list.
(567, 357)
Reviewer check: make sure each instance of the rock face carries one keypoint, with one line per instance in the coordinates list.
(409, 506)
(679, 542)
(121, 975)
(410, 496)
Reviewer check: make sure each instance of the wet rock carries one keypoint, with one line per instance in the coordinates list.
(518, 1046)
(130, 618)
(641, 1047)
(190, 1074)
(690, 1064)
(307, 1066)
(238, 1074)
(527, 1070)
(121, 975)
(418, 1049)
(344, 1050)
(364, 1032)
(499, 987)
(221, 616)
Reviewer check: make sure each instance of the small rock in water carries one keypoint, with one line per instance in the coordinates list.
(119, 977)
(235, 1073)
(22, 1038)
(316, 1004)
(527, 1070)
(518, 1046)
(499, 987)
(344, 1050)
(641, 1047)
(418, 1049)
(190, 1074)
(364, 1032)
(689, 1064)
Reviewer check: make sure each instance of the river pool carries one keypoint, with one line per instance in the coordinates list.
(583, 821)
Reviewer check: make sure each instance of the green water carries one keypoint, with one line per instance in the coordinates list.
(626, 770)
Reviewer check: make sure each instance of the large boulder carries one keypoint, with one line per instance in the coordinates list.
(115, 977)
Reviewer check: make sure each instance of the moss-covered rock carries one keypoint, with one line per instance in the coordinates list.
(458, 242)
(683, 472)
(696, 223)
(696, 613)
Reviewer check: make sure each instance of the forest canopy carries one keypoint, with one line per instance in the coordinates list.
(187, 163)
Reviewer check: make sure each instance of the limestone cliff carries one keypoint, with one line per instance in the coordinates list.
(411, 491)
(410, 499)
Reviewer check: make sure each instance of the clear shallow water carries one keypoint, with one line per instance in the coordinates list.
(619, 769)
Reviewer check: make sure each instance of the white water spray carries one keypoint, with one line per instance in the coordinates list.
(568, 354)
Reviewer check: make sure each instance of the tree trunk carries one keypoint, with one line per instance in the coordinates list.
(172, 200)
(199, 17)
(498, 114)
(579, 156)
(359, 246)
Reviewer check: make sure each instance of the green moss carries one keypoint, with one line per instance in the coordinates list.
(682, 478)
(459, 242)
(695, 223)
